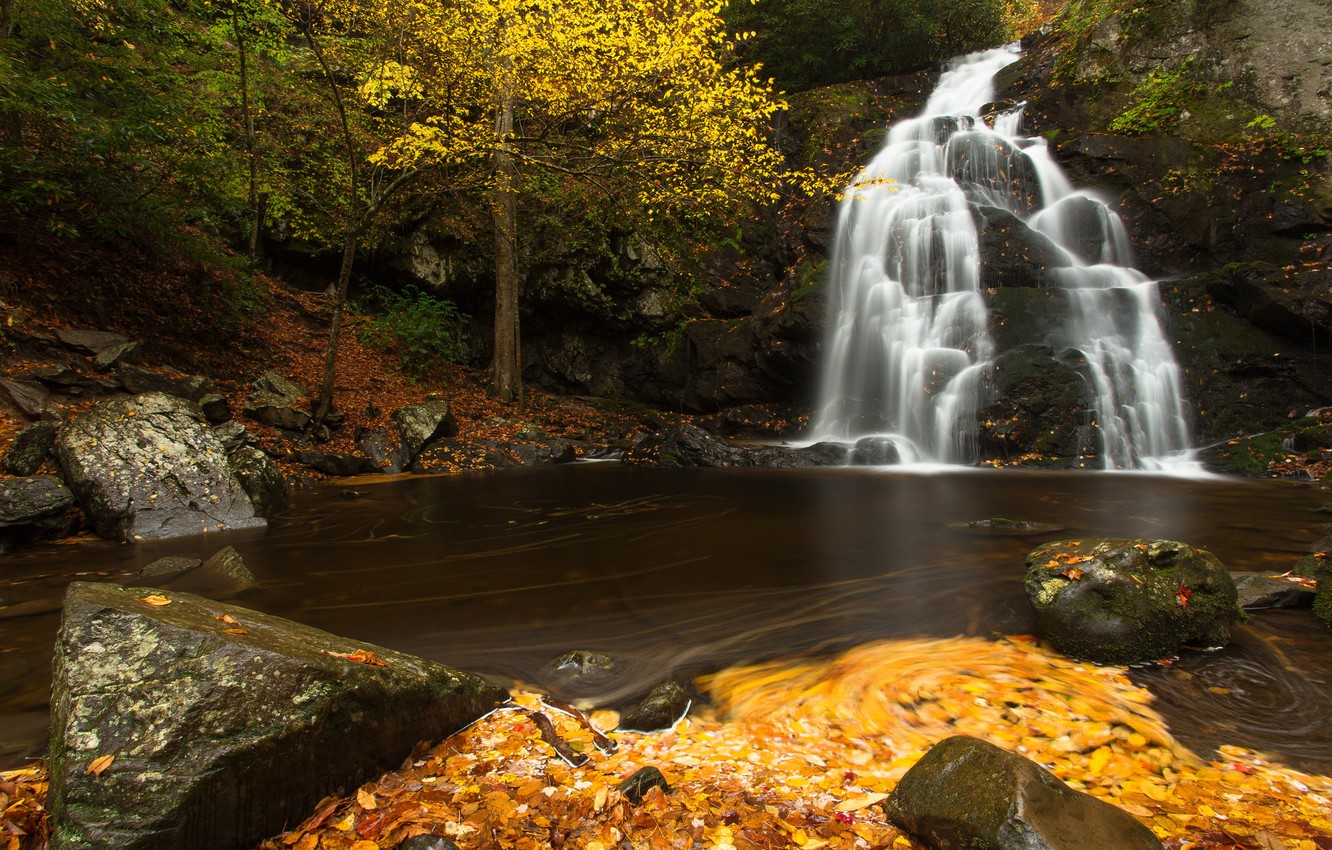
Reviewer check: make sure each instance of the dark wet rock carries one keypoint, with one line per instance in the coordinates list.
(966, 793)
(376, 444)
(636, 786)
(166, 568)
(544, 451)
(278, 411)
(580, 671)
(426, 842)
(1017, 525)
(451, 455)
(90, 341)
(993, 170)
(874, 451)
(61, 376)
(30, 397)
(221, 576)
(30, 448)
(33, 509)
(1042, 406)
(262, 480)
(665, 705)
(148, 467)
(1264, 590)
(418, 425)
(221, 739)
(1011, 252)
(109, 358)
(137, 380)
(1120, 601)
(216, 409)
(690, 446)
(232, 435)
(333, 463)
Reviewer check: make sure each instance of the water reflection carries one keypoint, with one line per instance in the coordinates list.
(684, 571)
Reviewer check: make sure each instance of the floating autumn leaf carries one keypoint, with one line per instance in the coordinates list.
(156, 599)
(98, 765)
(360, 656)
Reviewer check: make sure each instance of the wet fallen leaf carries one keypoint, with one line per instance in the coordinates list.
(156, 599)
(236, 631)
(228, 619)
(98, 765)
(360, 656)
(852, 804)
(366, 799)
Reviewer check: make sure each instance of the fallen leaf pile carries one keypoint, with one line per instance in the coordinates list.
(799, 755)
(802, 754)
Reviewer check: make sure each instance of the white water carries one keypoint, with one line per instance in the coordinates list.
(909, 357)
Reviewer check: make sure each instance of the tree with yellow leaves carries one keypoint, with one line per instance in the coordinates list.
(636, 97)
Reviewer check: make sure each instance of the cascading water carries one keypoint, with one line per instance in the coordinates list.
(910, 357)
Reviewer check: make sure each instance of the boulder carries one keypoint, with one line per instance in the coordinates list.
(544, 451)
(30, 448)
(1263, 590)
(279, 402)
(221, 576)
(580, 672)
(1011, 252)
(138, 380)
(687, 445)
(1041, 406)
(33, 509)
(261, 479)
(333, 463)
(232, 435)
(109, 358)
(89, 341)
(1118, 601)
(216, 409)
(418, 425)
(966, 793)
(636, 786)
(148, 467)
(164, 569)
(30, 397)
(195, 725)
(451, 455)
(376, 444)
(660, 709)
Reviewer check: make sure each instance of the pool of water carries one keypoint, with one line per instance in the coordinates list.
(679, 572)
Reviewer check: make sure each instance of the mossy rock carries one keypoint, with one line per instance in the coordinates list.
(1119, 601)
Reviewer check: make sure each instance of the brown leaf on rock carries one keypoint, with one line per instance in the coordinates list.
(99, 765)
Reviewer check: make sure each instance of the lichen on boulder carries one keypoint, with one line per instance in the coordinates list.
(179, 723)
(1120, 601)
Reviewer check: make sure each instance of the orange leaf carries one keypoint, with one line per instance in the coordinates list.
(100, 764)
(156, 599)
(228, 619)
(360, 656)
(236, 631)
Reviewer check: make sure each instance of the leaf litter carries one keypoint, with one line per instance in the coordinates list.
(802, 754)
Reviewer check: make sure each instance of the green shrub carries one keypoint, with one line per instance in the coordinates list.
(424, 331)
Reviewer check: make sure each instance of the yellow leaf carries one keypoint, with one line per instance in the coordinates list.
(100, 764)
(366, 799)
(156, 599)
(851, 804)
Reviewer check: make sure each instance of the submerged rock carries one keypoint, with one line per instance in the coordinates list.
(1263, 590)
(149, 467)
(691, 446)
(966, 793)
(192, 724)
(1117, 601)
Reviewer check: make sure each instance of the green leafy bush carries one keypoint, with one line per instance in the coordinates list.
(424, 331)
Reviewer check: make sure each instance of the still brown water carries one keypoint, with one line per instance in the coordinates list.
(680, 572)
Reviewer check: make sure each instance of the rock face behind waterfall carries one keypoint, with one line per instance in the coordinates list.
(1118, 601)
(1208, 123)
(148, 467)
(179, 723)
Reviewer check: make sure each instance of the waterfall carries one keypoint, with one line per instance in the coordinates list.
(910, 358)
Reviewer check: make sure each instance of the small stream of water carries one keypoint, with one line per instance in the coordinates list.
(684, 571)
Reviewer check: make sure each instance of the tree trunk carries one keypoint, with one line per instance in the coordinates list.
(252, 242)
(349, 240)
(507, 379)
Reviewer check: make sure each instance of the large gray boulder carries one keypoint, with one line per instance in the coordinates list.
(223, 724)
(1117, 601)
(418, 425)
(149, 467)
(261, 479)
(966, 793)
(279, 402)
